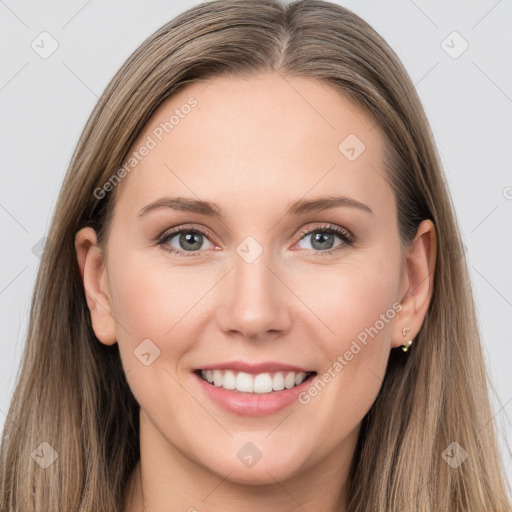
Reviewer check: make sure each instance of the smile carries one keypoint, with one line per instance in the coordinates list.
(244, 382)
(252, 389)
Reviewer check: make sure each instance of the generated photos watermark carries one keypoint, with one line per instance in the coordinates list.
(151, 142)
(343, 360)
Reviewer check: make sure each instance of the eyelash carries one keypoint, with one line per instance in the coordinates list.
(345, 235)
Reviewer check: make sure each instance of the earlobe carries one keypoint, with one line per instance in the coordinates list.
(418, 273)
(93, 271)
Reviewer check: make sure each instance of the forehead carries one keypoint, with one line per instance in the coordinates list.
(271, 136)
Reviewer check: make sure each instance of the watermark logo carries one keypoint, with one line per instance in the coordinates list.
(454, 455)
(147, 352)
(249, 455)
(45, 455)
(454, 45)
(249, 249)
(351, 147)
(44, 45)
(38, 248)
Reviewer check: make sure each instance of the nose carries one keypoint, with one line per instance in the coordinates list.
(256, 302)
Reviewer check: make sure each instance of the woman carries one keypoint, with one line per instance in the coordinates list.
(314, 348)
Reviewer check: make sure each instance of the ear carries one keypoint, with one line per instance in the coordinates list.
(91, 261)
(417, 283)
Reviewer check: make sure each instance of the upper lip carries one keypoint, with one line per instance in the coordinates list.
(263, 367)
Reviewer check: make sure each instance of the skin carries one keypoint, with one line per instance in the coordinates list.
(253, 146)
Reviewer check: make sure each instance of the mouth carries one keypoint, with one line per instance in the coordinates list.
(254, 383)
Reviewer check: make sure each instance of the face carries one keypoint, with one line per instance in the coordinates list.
(266, 280)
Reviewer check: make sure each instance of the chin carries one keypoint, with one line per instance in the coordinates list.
(262, 472)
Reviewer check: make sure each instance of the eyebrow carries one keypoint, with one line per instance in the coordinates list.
(210, 209)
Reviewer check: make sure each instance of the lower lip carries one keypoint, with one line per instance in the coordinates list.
(252, 404)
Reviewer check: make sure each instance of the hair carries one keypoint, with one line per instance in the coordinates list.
(71, 391)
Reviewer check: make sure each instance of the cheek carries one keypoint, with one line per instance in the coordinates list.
(357, 304)
(153, 308)
(345, 389)
(351, 299)
(152, 300)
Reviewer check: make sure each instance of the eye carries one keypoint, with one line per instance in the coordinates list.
(184, 240)
(322, 238)
(188, 241)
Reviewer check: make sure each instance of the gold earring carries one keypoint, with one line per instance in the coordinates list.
(405, 346)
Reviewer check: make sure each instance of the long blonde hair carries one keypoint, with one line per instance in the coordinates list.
(72, 399)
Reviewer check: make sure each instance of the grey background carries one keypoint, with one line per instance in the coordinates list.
(468, 100)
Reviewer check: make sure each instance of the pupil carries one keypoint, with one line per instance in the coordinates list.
(188, 238)
(319, 237)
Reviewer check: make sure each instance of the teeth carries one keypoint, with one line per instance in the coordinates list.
(244, 382)
(229, 380)
(217, 378)
(248, 383)
(263, 383)
(289, 380)
(299, 378)
(278, 381)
